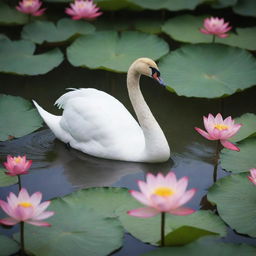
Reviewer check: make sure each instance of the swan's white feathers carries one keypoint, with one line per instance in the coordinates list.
(96, 123)
(60, 102)
(99, 122)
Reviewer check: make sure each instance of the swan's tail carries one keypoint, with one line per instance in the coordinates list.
(51, 120)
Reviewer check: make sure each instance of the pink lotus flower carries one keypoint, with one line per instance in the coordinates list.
(162, 194)
(252, 178)
(83, 9)
(31, 7)
(215, 26)
(219, 129)
(17, 165)
(25, 208)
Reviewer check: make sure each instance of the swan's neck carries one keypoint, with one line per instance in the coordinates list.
(155, 141)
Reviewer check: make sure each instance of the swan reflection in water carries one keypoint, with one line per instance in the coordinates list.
(81, 170)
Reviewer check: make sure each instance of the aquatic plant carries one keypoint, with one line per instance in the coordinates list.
(252, 177)
(17, 165)
(25, 208)
(162, 194)
(219, 129)
(215, 26)
(83, 9)
(31, 7)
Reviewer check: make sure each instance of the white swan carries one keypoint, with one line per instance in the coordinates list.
(96, 123)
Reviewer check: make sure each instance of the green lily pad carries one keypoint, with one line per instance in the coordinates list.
(244, 38)
(114, 5)
(235, 198)
(6, 180)
(8, 246)
(10, 16)
(202, 247)
(152, 26)
(241, 161)
(108, 50)
(3, 37)
(46, 31)
(117, 24)
(177, 236)
(115, 202)
(108, 5)
(224, 3)
(109, 202)
(18, 57)
(76, 230)
(200, 223)
(245, 7)
(248, 129)
(185, 28)
(172, 5)
(208, 70)
(18, 117)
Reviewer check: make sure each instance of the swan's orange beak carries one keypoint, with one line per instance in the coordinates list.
(158, 79)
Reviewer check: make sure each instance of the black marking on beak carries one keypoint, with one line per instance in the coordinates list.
(156, 75)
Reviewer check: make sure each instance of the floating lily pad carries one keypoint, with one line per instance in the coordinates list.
(108, 50)
(185, 28)
(112, 5)
(76, 230)
(248, 129)
(244, 38)
(208, 70)
(46, 31)
(18, 57)
(152, 26)
(242, 161)
(115, 202)
(10, 16)
(235, 198)
(201, 223)
(18, 117)
(172, 5)
(117, 25)
(245, 7)
(109, 202)
(202, 248)
(3, 37)
(6, 180)
(8, 246)
(223, 3)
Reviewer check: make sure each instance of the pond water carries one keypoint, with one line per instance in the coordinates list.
(57, 170)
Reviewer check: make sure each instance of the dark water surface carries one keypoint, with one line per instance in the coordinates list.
(57, 171)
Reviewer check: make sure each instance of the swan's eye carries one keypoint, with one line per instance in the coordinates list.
(155, 73)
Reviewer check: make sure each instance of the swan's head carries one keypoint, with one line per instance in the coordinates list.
(147, 67)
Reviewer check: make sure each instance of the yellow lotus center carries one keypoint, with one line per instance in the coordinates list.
(163, 191)
(25, 204)
(81, 5)
(17, 160)
(29, 3)
(221, 127)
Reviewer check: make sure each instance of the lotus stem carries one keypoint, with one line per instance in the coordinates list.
(162, 229)
(213, 39)
(19, 182)
(216, 161)
(22, 244)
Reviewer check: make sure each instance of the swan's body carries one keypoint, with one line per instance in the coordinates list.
(96, 123)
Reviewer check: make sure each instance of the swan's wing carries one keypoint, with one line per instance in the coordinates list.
(100, 123)
(62, 100)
